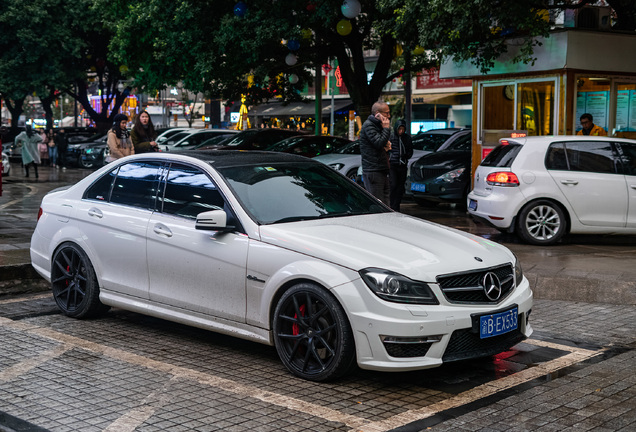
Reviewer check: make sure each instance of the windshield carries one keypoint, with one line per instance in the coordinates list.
(284, 144)
(277, 193)
(351, 148)
(429, 141)
(241, 137)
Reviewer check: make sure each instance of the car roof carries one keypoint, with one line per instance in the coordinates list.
(561, 138)
(227, 158)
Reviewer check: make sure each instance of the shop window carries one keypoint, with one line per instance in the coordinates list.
(625, 125)
(535, 107)
(592, 97)
(498, 111)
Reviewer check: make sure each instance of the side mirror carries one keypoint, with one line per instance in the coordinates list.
(213, 220)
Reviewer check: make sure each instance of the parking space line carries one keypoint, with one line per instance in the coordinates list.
(576, 355)
(137, 416)
(200, 377)
(25, 366)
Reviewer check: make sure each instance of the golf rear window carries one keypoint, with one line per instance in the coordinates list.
(502, 156)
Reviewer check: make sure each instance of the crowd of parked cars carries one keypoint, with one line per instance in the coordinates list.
(540, 188)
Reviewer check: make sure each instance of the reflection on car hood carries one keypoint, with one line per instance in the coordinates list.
(413, 247)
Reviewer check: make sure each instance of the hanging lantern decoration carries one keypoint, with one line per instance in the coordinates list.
(293, 45)
(311, 7)
(291, 59)
(306, 33)
(123, 69)
(240, 9)
(418, 50)
(350, 8)
(343, 27)
(293, 78)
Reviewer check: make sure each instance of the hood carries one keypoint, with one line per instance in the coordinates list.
(412, 247)
(336, 157)
(397, 125)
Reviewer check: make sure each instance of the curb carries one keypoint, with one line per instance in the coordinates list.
(21, 279)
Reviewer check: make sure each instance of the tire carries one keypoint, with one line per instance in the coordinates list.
(353, 175)
(74, 284)
(312, 334)
(84, 164)
(541, 223)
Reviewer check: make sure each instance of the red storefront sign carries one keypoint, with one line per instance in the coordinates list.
(429, 79)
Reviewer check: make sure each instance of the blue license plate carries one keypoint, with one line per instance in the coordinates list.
(418, 187)
(472, 204)
(497, 324)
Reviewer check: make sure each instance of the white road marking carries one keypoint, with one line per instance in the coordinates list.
(136, 416)
(27, 196)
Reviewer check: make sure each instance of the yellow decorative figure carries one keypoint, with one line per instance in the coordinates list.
(244, 122)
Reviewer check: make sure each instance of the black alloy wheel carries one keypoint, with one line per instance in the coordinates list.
(74, 284)
(312, 334)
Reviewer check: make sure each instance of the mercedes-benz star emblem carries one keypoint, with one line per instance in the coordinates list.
(492, 286)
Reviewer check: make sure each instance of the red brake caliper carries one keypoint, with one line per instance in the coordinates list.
(295, 329)
(68, 269)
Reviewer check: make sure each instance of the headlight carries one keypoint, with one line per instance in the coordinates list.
(518, 272)
(396, 288)
(337, 166)
(451, 176)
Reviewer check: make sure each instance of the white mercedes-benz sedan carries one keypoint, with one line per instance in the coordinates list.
(282, 250)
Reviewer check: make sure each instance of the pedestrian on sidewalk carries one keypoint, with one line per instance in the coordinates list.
(374, 145)
(143, 134)
(30, 154)
(119, 142)
(60, 144)
(52, 150)
(399, 155)
(43, 148)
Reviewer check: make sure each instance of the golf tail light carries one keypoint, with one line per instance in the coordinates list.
(502, 178)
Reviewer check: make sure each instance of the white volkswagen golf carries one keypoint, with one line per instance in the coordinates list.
(544, 187)
(282, 250)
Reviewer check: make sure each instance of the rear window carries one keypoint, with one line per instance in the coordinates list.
(502, 156)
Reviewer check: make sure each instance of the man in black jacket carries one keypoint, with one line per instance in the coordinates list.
(374, 145)
(401, 152)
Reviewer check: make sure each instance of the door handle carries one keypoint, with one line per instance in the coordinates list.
(569, 182)
(633, 186)
(95, 212)
(162, 230)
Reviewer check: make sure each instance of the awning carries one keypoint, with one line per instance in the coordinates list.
(304, 109)
(438, 98)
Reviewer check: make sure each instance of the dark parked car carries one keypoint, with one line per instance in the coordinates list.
(309, 145)
(196, 138)
(89, 153)
(258, 139)
(443, 176)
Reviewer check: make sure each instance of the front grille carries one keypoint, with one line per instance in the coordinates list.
(467, 287)
(466, 344)
(402, 350)
(420, 174)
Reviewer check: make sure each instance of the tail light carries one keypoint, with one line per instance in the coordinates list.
(40, 212)
(502, 178)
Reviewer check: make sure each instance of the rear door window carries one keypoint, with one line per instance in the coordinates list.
(590, 156)
(628, 158)
(136, 185)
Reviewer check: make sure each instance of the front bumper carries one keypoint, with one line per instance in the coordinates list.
(428, 335)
